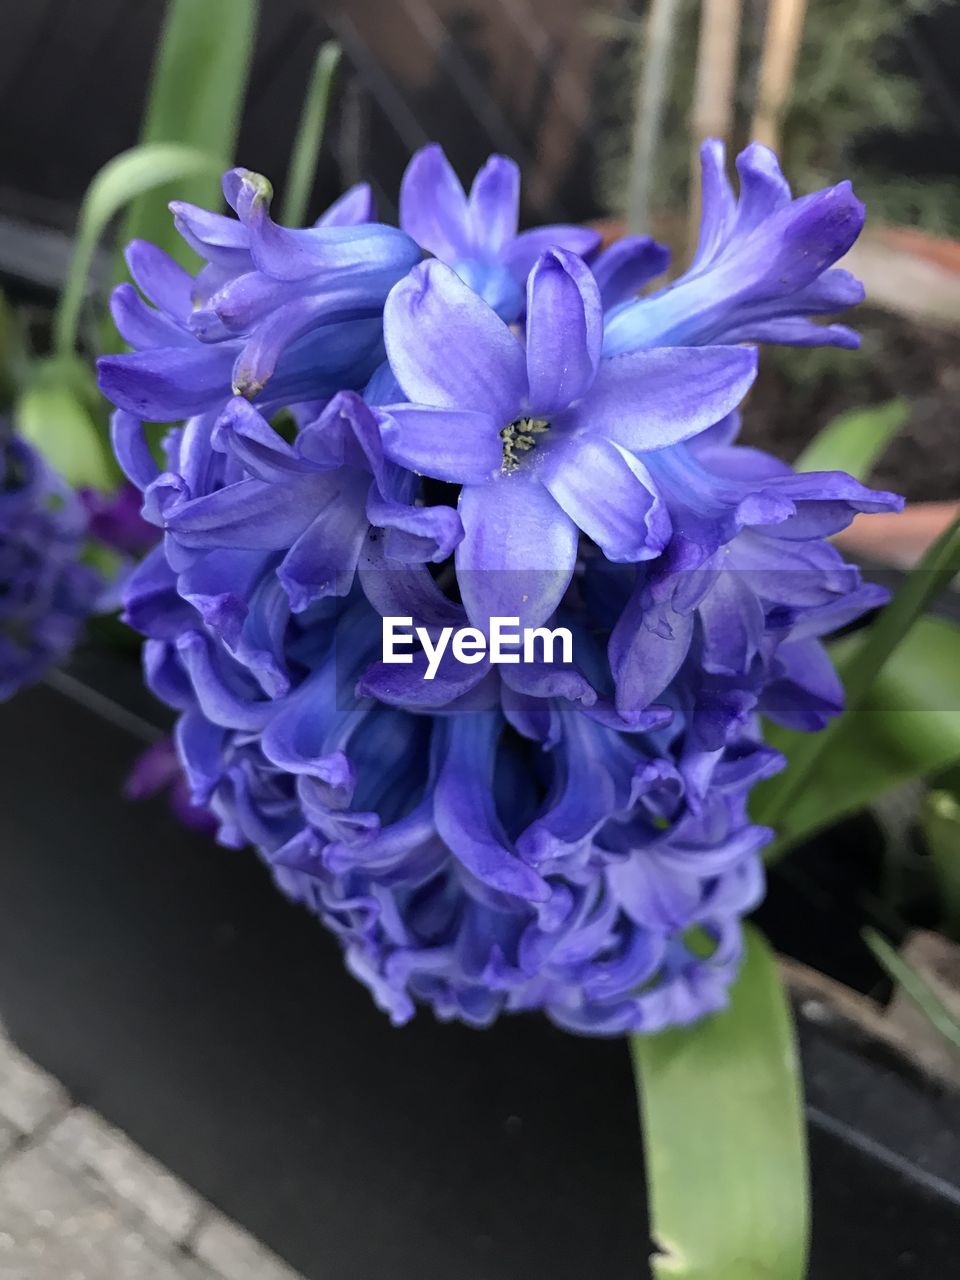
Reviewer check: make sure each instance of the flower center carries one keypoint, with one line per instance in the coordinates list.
(519, 438)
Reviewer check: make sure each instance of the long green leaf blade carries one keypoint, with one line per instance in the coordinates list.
(196, 97)
(306, 146)
(915, 987)
(127, 175)
(907, 726)
(854, 441)
(931, 577)
(725, 1139)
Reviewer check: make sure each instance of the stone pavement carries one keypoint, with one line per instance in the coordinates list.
(79, 1201)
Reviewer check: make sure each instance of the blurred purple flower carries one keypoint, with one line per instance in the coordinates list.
(158, 769)
(115, 520)
(46, 593)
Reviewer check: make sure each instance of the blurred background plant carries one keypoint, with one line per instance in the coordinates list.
(856, 87)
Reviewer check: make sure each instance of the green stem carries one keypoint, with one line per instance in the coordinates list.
(915, 987)
(309, 139)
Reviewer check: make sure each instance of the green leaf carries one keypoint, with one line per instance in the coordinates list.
(197, 89)
(907, 726)
(54, 414)
(915, 986)
(854, 441)
(940, 823)
(306, 147)
(127, 175)
(724, 1136)
(776, 801)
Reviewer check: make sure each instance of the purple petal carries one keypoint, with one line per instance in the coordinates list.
(647, 647)
(731, 625)
(564, 330)
(133, 452)
(261, 353)
(652, 399)
(354, 207)
(543, 680)
(213, 236)
(433, 207)
(244, 515)
(656, 896)
(150, 599)
(218, 701)
(141, 326)
(161, 280)
(168, 383)
(457, 445)
(448, 348)
(245, 435)
(622, 270)
(465, 815)
(610, 495)
(790, 249)
(415, 533)
(323, 560)
(591, 785)
(240, 302)
(405, 685)
(763, 188)
(518, 551)
(807, 692)
(795, 331)
(200, 745)
(529, 246)
(718, 202)
(370, 257)
(494, 206)
(153, 770)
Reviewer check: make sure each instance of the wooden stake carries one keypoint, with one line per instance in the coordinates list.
(712, 115)
(781, 44)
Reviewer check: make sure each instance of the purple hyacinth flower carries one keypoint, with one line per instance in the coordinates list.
(762, 266)
(547, 439)
(46, 593)
(276, 314)
(476, 234)
(526, 837)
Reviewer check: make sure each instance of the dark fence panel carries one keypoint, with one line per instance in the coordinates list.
(513, 76)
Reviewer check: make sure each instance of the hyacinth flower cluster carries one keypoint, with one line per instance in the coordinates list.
(454, 422)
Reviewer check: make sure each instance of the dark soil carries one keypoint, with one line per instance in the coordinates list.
(799, 391)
